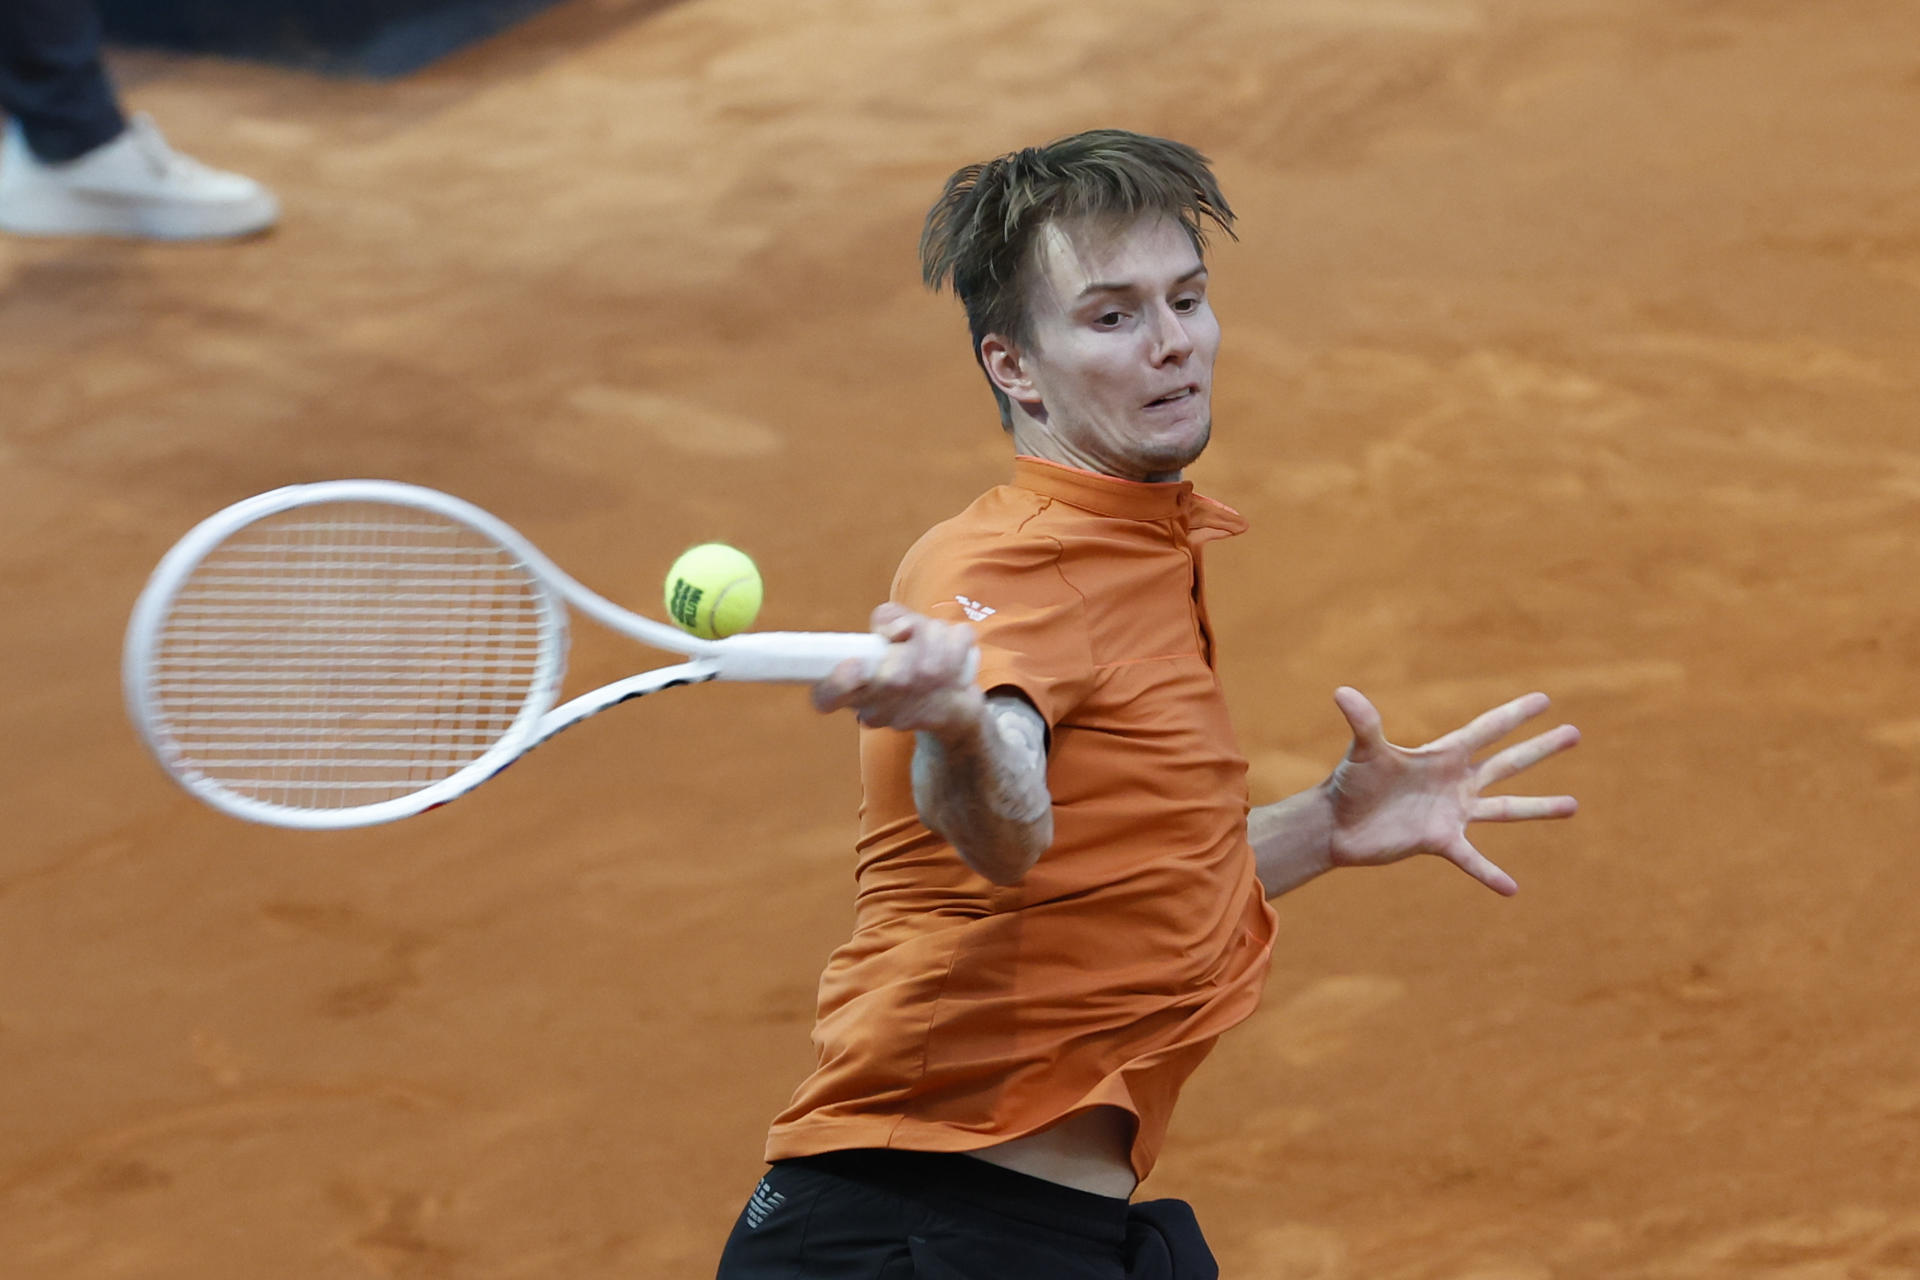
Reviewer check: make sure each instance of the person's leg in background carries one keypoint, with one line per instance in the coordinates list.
(51, 78)
(70, 162)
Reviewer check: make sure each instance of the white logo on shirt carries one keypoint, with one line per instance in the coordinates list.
(975, 611)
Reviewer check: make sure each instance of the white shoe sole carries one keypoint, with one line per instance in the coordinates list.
(39, 210)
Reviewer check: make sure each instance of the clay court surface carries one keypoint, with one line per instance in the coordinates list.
(1571, 345)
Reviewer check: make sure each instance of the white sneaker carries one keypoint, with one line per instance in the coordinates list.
(135, 185)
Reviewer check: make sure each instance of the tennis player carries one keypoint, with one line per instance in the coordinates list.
(1063, 896)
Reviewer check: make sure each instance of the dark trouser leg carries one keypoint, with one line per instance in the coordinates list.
(51, 77)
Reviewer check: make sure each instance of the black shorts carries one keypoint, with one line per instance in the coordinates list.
(913, 1215)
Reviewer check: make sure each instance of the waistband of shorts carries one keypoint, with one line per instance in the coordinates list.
(941, 1177)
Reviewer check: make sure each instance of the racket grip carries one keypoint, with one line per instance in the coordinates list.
(797, 657)
(800, 657)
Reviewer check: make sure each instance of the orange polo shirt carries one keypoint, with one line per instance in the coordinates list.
(962, 1014)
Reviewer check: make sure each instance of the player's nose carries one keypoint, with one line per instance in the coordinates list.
(1171, 341)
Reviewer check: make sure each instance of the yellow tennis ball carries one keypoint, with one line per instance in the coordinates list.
(713, 590)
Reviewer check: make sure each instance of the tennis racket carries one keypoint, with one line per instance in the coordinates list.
(356, 651)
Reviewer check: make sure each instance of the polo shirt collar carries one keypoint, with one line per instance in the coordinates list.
(1124, 499)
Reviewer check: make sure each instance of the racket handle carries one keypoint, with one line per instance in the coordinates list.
(800, 657)
(797, 657)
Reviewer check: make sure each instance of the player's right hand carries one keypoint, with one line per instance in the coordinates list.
(922, 683)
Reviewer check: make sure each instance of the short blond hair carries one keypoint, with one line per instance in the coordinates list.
(979, 237)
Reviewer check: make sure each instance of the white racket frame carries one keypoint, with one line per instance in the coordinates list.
(775, 656)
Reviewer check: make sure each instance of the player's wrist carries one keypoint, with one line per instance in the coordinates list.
(959, 722)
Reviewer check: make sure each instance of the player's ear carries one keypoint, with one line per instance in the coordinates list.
(1007, 369)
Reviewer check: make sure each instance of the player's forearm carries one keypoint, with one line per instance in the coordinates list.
(1292, 840)
(983, 789)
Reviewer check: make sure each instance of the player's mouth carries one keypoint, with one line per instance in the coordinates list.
(1174, 397)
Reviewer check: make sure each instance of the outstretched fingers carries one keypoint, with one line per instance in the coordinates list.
(1489, 727)
(1362, 717)
(1521, 808)
(1463, 855)
(1515, 759)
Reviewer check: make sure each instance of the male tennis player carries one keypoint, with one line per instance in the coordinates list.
(1063, 897)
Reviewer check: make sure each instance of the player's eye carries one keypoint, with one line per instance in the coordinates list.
(1110, 319)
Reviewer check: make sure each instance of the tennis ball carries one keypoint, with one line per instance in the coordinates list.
(713, 590)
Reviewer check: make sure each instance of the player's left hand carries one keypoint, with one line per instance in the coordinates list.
(1391, 803)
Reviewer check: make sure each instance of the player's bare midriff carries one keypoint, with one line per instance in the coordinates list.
(1089, 1151)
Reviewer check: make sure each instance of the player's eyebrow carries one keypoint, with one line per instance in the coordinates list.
(1127, 286)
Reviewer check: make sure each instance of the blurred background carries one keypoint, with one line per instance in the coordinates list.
(1569, 345)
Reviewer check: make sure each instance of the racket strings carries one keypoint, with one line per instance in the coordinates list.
(341, 655)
